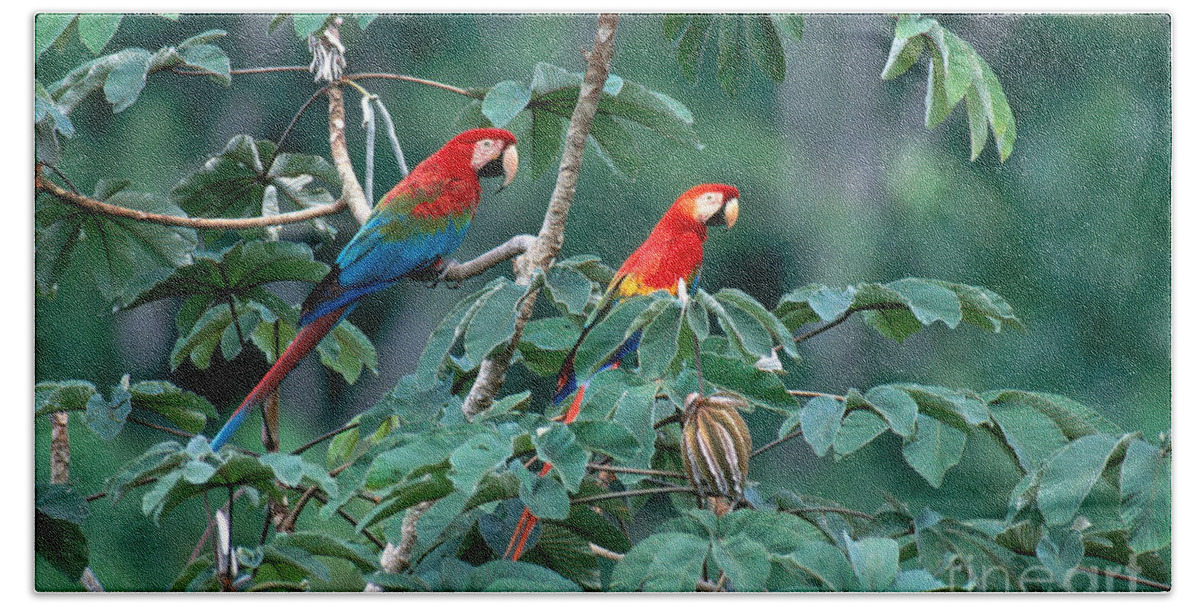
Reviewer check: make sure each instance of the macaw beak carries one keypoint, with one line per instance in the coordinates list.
(727, 214)
(510, 161)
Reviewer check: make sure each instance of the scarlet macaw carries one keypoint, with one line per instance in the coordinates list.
(413, 227)
(668, 259)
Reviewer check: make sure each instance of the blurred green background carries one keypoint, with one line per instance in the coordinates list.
(840, 183)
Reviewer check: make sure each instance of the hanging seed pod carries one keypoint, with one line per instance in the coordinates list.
(715, 444)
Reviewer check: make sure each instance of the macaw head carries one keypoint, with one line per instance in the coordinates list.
(493, 152)
(710, 204)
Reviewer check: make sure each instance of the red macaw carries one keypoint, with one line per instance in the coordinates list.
(668, 259)
(413, 227)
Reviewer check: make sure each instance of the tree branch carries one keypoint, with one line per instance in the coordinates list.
(42, 184)
(493, 370)
(352, 192)
(456, 272)
(414, 79)
(636, 492)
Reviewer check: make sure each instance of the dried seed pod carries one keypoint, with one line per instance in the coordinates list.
(716, 444)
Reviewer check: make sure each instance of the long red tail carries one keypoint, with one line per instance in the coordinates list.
(305, 341)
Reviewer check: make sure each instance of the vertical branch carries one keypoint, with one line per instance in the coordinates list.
(352, 192)
(398, 557)
(550, 238)
(60, 449)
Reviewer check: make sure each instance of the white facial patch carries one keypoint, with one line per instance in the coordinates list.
(707, 205)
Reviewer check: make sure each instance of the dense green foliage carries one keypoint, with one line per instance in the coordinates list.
(955, 486)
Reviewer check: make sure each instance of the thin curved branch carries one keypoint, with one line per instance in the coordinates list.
(550, 238)
(772, 444)
(42, 184)
(637, 492)
(430, 83)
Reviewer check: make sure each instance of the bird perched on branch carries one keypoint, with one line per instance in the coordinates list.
(413, 227)
(669, 259)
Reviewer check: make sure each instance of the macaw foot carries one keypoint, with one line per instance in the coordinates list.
(445, 267)
(435, 274)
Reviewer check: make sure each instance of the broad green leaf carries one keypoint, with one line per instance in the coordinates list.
(545, 342)
(735, 375)
(935, 449)
(569, 288)
(127, 78)
(476, 457)
(1061, 552)
(60, 501)
(503, 575)
(741, 326)
(875, 561)
(347, 350)
(1070, 474)
(282, 557)
(559, 447)
(929, 302)
(545, 496)
(432, 487)
(744, 561)
(819, 565)
(778, 532)
(790, 24)
(504, 101)
(1146, 496)
(307, 24)
(895, 406)
(605, 437)
(184, 409)
(653, 110)
(448, 332)
(96, 29)
(690, 50)
(959, 408)
(47, 27)
(107, 418)
(616, 147)
(547, 133)
(858, 429)
(765, 46)
(429, 448)
(903, 54)
(1073, 418)
(735, 298)
(62, 543)
(322, 544)
(667, 562)
(61, 396)
(733, 65)
(660, 340)
(493, 323)
(811, 303)
(1032, 435)
(820, 421)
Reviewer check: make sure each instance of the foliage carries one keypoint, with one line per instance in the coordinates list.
(1084, 495)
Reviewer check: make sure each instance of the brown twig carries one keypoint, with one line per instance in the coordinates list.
(42, 184)
(636, 492)
(457, 272)
(837, 510)
(550, 238)
(772, 444)
(333, 433)
(632, 471)
(60, 448)
(414, 79)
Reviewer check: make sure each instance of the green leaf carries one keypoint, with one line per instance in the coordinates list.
(935, 449)
(107, 418)
(790, 24)
(733, 66)
(62, 543)
(60, 501)
(504, 101)
(812, 302)
(306, 24)
(1061, 552)
(858, 429)
(691, 46)
(1069, 476)
(96, 29)
(504, 575)
(616, 147)
(929, 301)
(778, 532)
(605, 437)
(448, 332)
(432, 487)
(742, 327)
(903, 54)
(819, 565)
(1074, 419)
(875, 561)
(735, 375)
(896, 407)
(321, 544)
(819, 422)
(184, 409)
(765, 46)
(959, 408)
(735, 298)
(545, 342)
(347, 350)
(476, 457)
(744, 561)
(660, 340)
(662, 563)
(1146, 496)
(47, 28)
(127, 78)
(569, 288)
(545, 496)
(559, 447)
(493, 324)
(63, 396)
(399, 464)
(653, 110)
(234, 182)
(547, 132)
(1032, 435)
